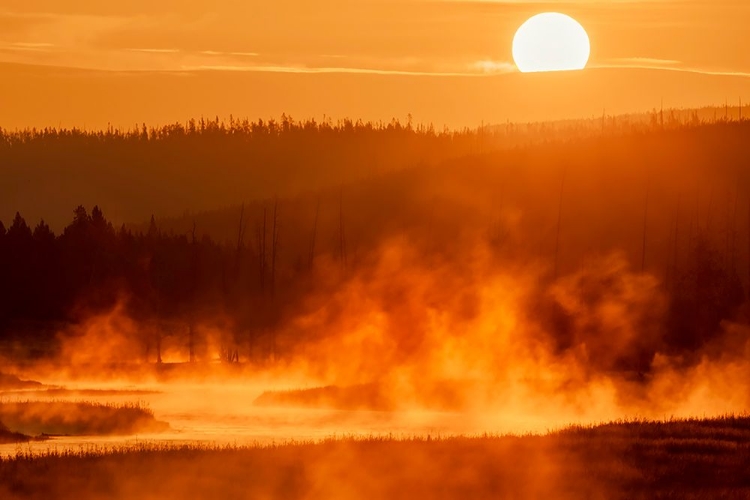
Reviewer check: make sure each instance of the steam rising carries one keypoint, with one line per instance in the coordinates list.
(472, 335)
(456, 298)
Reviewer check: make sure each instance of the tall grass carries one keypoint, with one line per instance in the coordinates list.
(78, 418)
(629, 459)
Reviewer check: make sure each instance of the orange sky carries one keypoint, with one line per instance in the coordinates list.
(446, 62)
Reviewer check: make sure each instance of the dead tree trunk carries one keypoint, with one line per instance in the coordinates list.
(645, 227)
(559, 224)
(191, 341)
(675, 256)
(240, 239)
(262, 253)
(342, 233)
(158, 342)
(733, 234)
(311, 254)
(158, 328)
(193, 291)
(274, 253)
(274, 245)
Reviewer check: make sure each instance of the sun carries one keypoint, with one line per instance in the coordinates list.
(551, 42)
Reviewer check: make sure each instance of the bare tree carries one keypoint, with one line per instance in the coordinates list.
(311, 255)
(193, 286)
(675, 255)
(240, 239)
(261, 236)
(274, 245)
(645, 225)
(559, 222)
(274, 255)
(342, 232)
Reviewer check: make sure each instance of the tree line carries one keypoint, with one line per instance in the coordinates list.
(675, 203)
(202, 164)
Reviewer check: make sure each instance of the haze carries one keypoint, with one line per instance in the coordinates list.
(353, 227)
(90, 63)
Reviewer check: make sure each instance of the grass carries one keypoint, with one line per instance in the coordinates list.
(448, 395)
(692, 459)
(78, 418)
(87, 393)
(8, 437)
(364, 396)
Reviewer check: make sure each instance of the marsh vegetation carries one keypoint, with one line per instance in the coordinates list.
(623, 460)
(379, 280)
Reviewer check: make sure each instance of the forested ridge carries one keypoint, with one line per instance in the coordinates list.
(671, 205)
(208, 163)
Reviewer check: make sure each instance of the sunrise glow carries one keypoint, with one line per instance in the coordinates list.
(551, 42)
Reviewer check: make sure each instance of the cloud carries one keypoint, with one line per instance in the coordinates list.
(156, 51)
(352, 65)
(647, 61)
(222, 53)
(489, 66)
(374, 37)
(52, 41)
(26, 47)
(323, 70)
(666, 65)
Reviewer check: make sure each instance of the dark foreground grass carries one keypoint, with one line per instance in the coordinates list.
(694, 459)
(78, 418)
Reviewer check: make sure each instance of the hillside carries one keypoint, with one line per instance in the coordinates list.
(622, 256)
